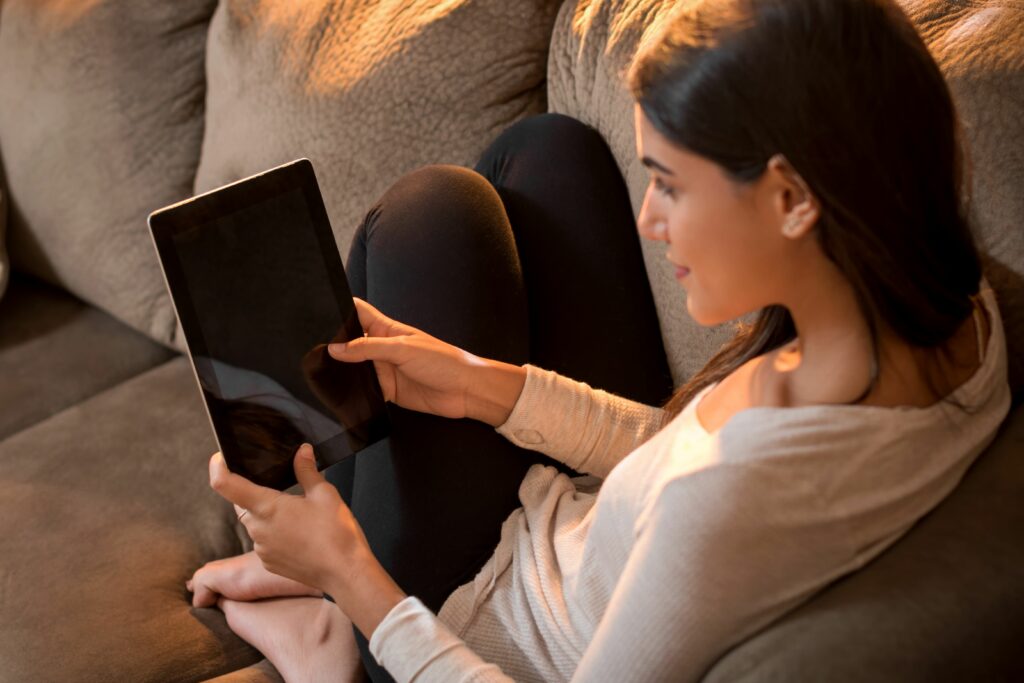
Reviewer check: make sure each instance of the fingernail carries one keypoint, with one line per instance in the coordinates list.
(336, 347)
(306, 451)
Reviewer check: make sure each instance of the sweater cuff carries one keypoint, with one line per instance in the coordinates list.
(521, 427)
(414, 645)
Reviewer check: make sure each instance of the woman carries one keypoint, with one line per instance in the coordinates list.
(804, 167)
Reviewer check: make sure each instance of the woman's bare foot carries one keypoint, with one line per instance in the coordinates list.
(242, 577)
(308, 640)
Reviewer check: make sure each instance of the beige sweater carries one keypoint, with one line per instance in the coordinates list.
(693, 541)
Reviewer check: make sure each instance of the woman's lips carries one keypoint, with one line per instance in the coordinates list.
(681, 272)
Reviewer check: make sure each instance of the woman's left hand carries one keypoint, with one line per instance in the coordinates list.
(312, 538)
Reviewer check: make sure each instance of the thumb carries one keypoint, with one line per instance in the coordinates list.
(305, 468)
(389, 349)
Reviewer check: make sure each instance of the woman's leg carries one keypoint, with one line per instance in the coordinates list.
(591, 312)
(563, 286)
(437, 252)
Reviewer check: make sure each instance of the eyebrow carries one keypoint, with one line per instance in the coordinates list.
(651, 163)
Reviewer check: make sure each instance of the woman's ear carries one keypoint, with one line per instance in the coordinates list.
(796, 207)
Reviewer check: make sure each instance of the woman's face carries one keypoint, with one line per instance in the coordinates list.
(722, 236)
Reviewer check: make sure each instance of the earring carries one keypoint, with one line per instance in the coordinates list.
(790, 226)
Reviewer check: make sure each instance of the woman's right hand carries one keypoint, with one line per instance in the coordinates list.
(423, 373)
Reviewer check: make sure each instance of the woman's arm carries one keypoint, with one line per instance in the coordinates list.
(423, 373)
(493, 393)
(414, 645)
(588, 429)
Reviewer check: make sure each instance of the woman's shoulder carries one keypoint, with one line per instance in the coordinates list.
(847, 438)
(975, 371)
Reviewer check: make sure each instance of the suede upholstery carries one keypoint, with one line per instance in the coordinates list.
(367, 90)
(261, 672)
(591, 47)
(105, 508)
(101, 120)
(107, 511)
(978, 47)
(56, 351)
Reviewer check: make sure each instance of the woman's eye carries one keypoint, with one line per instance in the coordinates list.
(663, 188)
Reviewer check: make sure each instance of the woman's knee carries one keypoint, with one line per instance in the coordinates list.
(437, 251)
(550, 136)
(556, 128)
(435, 203)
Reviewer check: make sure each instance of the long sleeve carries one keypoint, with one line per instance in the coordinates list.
(588, 429)
(416, 647)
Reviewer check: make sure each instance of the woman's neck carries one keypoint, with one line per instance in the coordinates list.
(830, 361)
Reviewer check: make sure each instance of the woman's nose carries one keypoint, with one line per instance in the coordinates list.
(650, 224)
(652, 228)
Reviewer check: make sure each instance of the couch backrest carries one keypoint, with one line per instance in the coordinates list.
(978, 47)
(100, 122)
(367, 90)
(111, 110)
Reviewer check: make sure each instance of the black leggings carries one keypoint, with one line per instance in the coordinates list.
(533, 256)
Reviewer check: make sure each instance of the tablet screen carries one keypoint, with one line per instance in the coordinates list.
(260, 290)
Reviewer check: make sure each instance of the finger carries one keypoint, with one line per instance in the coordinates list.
(369, 316)
(204, 596)
(393, 350)
(202, 593)
(305, 469)
(376, 323)
(235, 488)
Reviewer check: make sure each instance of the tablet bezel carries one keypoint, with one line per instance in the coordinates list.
(215, 204)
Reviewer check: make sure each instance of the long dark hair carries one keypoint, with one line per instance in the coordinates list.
(847, 91)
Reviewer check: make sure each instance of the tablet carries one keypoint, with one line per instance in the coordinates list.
(258, 285)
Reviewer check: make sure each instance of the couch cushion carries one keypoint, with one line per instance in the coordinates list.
(978, 47)
(263, 672)
(945, 603)
(367, 90)
(101, 120)
(107, 510)
(56, 351)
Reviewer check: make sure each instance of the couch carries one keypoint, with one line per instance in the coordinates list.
(110, 109)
